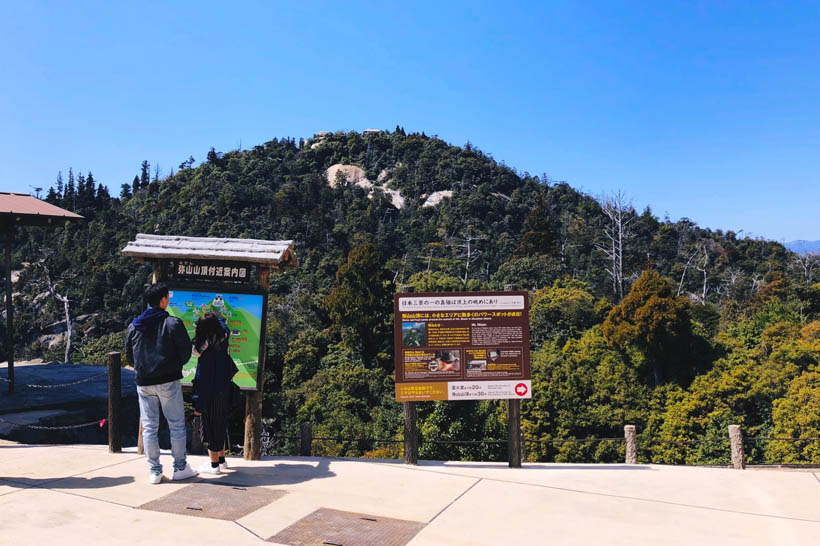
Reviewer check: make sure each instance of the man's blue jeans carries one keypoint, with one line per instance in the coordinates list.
(169, 397)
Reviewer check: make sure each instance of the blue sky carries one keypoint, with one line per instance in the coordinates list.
(707, 110)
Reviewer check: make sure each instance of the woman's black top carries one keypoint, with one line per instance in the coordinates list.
(214, 372)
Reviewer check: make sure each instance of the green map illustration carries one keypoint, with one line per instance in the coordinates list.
(242, 313)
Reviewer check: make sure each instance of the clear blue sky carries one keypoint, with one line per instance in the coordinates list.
(709, 110)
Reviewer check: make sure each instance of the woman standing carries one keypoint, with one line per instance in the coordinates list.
(212, 387)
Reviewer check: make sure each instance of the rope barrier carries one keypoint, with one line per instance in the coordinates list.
(100, 423)
(58, 385)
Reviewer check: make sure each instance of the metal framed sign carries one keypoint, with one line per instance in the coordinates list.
(244, 313)
(462, 346)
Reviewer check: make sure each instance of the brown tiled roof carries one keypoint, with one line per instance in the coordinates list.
(23, 209)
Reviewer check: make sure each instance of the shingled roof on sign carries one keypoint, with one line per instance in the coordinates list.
(276, 253)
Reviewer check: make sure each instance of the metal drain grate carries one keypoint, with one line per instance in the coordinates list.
(217, 501)
(326, 527)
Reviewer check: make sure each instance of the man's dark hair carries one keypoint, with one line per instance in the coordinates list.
(154, 293)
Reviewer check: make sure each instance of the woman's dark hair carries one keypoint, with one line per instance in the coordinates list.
(208, 329)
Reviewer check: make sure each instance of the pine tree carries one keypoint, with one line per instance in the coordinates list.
(70, 196)
(145, 175)
(136, 184)
(60, 185)
(125, 191)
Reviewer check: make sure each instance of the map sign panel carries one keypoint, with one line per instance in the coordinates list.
(462, 346)
(242, 312)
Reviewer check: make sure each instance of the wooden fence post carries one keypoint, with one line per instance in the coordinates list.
(305, 439)
(736, 439)
(114, 399)
(631, 444)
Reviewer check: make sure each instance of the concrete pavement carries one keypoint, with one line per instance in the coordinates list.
(82, 494)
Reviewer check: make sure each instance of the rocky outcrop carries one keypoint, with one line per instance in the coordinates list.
(358, 177)
(437, 197)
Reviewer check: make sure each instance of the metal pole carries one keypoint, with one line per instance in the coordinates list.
(114, 396)
(9, 310)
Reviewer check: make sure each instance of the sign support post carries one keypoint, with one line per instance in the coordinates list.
(253, 399)
(411, 432)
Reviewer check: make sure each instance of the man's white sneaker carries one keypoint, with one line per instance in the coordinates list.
(223, 466)
(185, 473)
(208, 469)
(154, 477)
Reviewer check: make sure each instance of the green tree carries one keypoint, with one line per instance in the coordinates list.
(655, 321)
(361, 304)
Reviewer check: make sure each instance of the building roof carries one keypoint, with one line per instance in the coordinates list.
(24, 210)
(276, 253)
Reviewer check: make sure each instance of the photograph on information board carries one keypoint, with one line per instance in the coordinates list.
(462, 345)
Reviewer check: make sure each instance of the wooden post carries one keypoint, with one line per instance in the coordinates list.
(114, 396)
(9, 310)
(253, 399)
(736, 439)
(305, 439)
(411, 431)
(411, 434)
(631, 444)
(515, 442)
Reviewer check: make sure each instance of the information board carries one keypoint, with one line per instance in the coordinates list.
(244, 315)
(462, 346)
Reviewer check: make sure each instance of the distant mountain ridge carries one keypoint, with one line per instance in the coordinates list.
(803, 247)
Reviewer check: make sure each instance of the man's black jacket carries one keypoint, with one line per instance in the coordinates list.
(158, 345)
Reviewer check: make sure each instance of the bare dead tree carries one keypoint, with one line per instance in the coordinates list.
(468, 242)
(52, 288)
(616, 233)
(702, 265)
(685, 268)
(757, 281)
(806, 265)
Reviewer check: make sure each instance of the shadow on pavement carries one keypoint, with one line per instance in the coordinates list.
(540, 467)
(97, 482)
(281, 474)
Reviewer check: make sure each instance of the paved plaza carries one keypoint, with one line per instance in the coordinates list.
(82, 494)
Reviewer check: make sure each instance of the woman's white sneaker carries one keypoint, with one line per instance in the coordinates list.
(223, 466)
(154, 477)
(208, 469)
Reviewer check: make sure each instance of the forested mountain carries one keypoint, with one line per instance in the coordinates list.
(676, 328)
(804, 247)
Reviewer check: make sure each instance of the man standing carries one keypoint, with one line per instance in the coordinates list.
(158, 345)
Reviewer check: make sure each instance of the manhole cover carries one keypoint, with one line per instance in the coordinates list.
(326, 527)
(217, 501)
